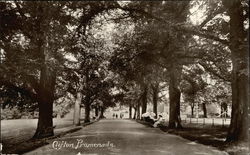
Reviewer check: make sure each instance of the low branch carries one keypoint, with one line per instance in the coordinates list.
(211, 16)
(204, 34)
(210, 70)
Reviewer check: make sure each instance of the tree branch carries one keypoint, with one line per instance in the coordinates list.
(210, 70)
(211, 16)
(193, 30)
(204, 34)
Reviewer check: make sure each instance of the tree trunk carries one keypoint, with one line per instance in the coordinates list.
(96, 111)
(87, 98)
(238, 130)
(77, 109)
(45, 120)
(174, 96)
(45, 91)
(197, 110)
(204, 110)
(155, 89)
(138, 111)
(192, 110)
(221, 111)
(134, 113)
(87, 113)
(87, 108)
(224, 110)
(45, 103)
(130, 111)
(102, 112)
(144, 99)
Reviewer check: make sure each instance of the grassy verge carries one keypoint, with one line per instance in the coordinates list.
(207, 135)
(210, 136)
(31, 144)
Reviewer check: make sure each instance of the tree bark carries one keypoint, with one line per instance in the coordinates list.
(87, 112)
(197, 110)
(155, 89)
(138, 111)
(238, 129)
(87, 98)
(221, 111)
(96, 111)
(134, 113)
(102, 112)
(192, 110)
(174, 96)
(144, 99)
(204, 110)
(130, 111)
(77, 109)
(45, 103)
(87, 108)
(46, 89)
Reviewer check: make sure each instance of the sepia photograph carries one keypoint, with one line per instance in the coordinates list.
(124, 77)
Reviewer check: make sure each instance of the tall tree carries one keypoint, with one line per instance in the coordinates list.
(41, 50)
(174, 98)
(144, 98)
(217, 29)
(238, 130)
(155, 89)
(41, 29)
(195, 84)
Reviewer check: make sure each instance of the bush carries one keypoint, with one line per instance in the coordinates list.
(15, 113)
(11, 113)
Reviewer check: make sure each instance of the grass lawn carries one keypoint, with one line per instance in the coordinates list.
(208, 135)
(213, 136)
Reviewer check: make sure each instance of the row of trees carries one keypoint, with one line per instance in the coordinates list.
(51, 49)
(36, 37)
(179, 48)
